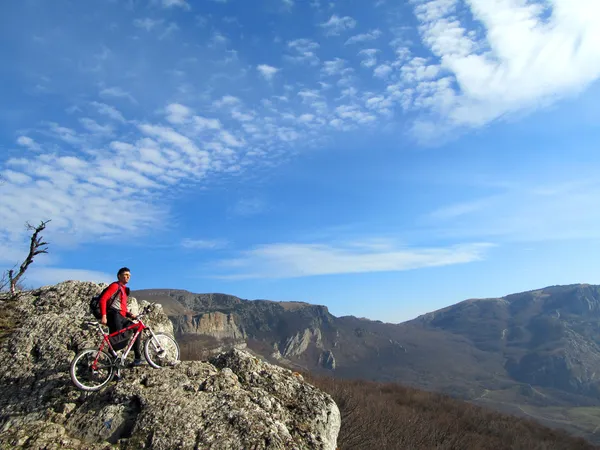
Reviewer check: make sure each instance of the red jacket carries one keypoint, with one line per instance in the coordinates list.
(109, 292)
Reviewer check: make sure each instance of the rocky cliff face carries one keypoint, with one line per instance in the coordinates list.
(217, 324)
(293, 332)
(235, 400)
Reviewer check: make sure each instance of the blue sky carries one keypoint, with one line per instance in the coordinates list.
(382, 158)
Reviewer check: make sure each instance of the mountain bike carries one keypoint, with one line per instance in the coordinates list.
(93, 368)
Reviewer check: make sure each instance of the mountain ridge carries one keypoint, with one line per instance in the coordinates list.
(535, 349)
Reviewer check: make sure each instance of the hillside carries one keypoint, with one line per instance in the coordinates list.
(534, 354)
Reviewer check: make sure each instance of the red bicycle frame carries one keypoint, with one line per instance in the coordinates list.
(138, 326)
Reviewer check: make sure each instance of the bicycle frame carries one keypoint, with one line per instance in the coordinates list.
(138, 326)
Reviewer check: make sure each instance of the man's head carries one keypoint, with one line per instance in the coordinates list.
(124, 274)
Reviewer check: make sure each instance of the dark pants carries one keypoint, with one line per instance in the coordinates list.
(117, 322)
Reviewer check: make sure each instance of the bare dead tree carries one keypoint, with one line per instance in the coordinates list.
(36, 247)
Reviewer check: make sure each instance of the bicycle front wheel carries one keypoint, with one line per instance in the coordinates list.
(92, 369)
(161, 351)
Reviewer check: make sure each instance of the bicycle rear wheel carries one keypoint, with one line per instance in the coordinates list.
(161, 351)
(92, 369)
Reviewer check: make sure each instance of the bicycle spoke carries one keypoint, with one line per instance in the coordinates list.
(91, 370)
(161, 350)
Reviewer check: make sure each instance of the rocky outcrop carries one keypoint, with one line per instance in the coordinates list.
(217, 324)
(297, 344)
(234, 400)
(327, 360)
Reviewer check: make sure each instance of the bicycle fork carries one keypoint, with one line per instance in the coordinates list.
(156, 344)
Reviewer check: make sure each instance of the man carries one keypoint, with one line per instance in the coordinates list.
(113, 307)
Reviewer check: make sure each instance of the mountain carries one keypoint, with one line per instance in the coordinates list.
(535, 353)
(231, 400)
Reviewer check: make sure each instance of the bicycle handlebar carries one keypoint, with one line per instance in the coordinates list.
(146, 310)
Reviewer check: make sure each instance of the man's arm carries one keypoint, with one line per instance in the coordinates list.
(108, 293)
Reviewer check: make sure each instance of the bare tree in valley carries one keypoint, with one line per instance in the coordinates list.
(37, 246)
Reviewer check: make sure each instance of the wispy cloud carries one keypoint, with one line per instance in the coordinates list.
(177, 3)
(29, 143)
(200, 122)
(364, 37)
(117, 92)
(178, 113)
(94, 127)
(529, 55)
(369, 58)
(525, 211)
(147, 23)
(203, 244)
(303, 50)
(109, 111)
(337, 25)
(300, 260)
(267, 72)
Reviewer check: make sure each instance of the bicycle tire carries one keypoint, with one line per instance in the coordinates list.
(170, 347)
(87, 379)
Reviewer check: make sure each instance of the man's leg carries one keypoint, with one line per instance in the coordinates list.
(137, 344)
(117, 322)
(137, 348)
(113, 321)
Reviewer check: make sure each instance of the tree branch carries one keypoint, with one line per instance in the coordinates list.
(35, 248)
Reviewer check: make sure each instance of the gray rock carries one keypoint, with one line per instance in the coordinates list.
(233, 401)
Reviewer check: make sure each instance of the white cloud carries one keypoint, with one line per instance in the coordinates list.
(94, 127)
(369, 57)
(528, 55)
(117, 92)
(300, 260)
(65, 134)
(227, 101)
(29, 143)
(355, 113)
(230, 140)
(81, 193)
(203, 244)
(334, 67)
(382, 71)
(178, 113)
(15, 177)
(268, 72)
(147, 23)
(179, 3)
(364, 37)
(203, 123)
(337, 25)
(109, 111)
(304, 51)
